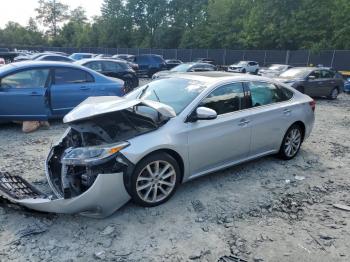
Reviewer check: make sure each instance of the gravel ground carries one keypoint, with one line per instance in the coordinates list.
(264, 210)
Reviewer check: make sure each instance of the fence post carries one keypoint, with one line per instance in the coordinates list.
(224, 57)
(191, 55)
(176, 53)
(308, 59)
(332, 62)
(287, 57)
(265, 58)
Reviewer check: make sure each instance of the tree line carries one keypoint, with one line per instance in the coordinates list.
(232, 24)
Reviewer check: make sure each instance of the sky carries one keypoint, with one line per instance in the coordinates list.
(21, 10)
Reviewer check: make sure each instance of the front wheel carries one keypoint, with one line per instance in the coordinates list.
(154, 180)
(334, 94)
(291, 143)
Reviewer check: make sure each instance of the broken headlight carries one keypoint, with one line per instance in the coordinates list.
(91, 155)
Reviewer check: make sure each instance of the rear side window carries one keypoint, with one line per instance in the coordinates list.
(263, 93)
(71, 76)
(141, 59)
(158, 59)
(225, 99)
(111, 67)
(35, 78)
(327, 74)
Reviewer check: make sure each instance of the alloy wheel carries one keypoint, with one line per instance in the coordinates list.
(156, 181)
(292, 142)
(334, 93)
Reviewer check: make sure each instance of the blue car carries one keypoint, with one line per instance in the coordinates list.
(347, 85)
(36, 90)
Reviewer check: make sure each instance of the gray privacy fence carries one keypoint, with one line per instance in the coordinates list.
(339, 59)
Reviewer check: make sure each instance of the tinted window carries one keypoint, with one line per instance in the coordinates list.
(71, 76)
(316, 74)
(327, 74)
(225, 99)
(263, 93)
(142, 59)
(111, 67)
(158, 59)
(26, 79)
(97, 66)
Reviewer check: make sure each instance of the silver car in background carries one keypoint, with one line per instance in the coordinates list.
(143, 146)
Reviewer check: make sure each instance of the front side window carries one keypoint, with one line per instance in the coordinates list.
(316, 74)
(96, 66)
(35, 78)
(263, 93)
(327, 74)
(71, 76)
(225, 99)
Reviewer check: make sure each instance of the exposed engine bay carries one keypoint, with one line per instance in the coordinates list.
(71, 177)
(85, 169)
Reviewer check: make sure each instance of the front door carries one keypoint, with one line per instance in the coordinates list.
(71, 86)
(214, 143)
(315, 84)
(23, 95)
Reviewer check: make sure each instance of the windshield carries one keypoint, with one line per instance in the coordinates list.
(181, 68)
(295, 73)
(177, 93)
(242, 63)
(277, 67)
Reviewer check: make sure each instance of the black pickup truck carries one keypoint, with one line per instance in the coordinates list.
(8, 55)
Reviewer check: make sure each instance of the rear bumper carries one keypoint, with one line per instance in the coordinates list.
(102, 199)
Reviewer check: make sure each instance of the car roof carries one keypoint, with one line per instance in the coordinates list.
(213, 77)
(83, 61)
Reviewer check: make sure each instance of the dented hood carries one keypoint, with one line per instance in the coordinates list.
(97, 106)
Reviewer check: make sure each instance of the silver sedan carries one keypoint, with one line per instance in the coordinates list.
(143, 146)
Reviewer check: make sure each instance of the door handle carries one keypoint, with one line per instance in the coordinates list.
(35, 94)
(244, 122)
(84, 88)
(287, 111)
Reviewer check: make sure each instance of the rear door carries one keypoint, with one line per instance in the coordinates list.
(214, 143)
(329, 82)
(271, 114)
(70, 87)
(23, 95)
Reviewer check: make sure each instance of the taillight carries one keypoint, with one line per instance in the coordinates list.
(312, 105)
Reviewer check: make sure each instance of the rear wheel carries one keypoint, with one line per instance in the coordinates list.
(334, 94)
(154, 180)
(291, 142)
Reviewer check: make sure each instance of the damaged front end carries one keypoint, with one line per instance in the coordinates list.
(86, 169)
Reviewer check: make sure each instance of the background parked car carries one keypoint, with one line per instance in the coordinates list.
(2, 61)
(54, 57)
(129, 59)
(113, 68)
(79, 56)
(346, 77)
(149, 64)
(186, 67)
(171, 63)
(43, 90)
(205, 60)
(244, 67)
(274, 70)
(314, 81)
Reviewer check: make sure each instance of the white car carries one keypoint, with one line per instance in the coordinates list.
(244, 67)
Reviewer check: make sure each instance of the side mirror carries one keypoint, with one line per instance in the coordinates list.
(203, 113)
(311, 78)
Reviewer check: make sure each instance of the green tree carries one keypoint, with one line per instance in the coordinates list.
(52, 14)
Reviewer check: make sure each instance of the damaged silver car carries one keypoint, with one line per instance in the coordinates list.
(170, 131)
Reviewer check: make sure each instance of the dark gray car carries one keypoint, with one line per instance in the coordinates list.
(313, 81)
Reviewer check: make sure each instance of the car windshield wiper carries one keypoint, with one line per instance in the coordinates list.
(154, 91)
(143, 91)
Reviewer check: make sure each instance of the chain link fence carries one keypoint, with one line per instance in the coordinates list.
(338, 59)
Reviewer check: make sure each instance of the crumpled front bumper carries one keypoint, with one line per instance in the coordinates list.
(103, 198)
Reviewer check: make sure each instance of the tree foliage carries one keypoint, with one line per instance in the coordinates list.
(234, 24)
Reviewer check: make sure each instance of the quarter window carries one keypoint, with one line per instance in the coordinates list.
(263, 93)
(35, 78)
(71, 76)
(225, 99)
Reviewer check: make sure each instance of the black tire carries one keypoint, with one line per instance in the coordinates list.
(140, 168)
(244, 71)
(256, 71)
(334, 94)
(283, 150)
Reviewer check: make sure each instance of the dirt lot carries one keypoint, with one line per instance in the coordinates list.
(265, 210)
